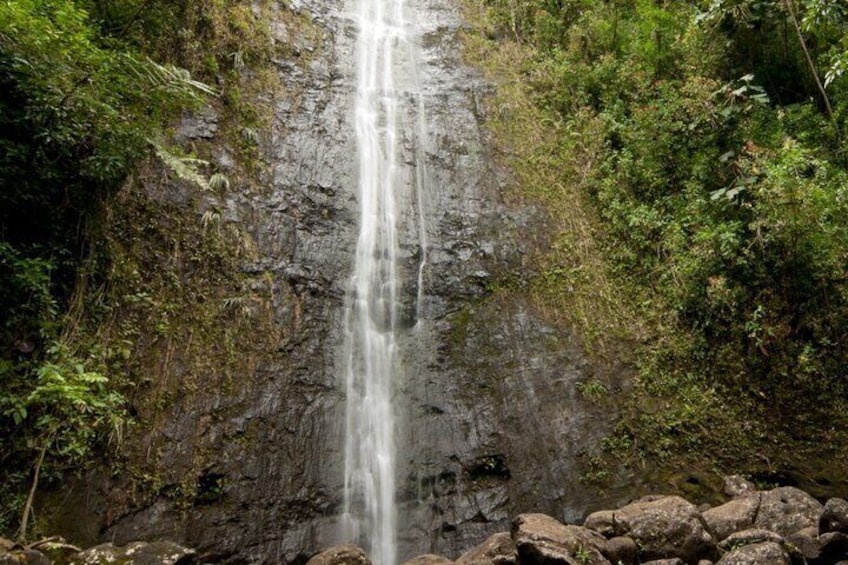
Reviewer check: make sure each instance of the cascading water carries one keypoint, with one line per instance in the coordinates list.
(372, 363)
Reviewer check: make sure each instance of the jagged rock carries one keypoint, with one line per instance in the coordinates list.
(786, 510)
(499, 549)
(705, 562)
(673, 561)
(665, 527)
(542, 540)
(736, 515)
(202, 125)
(765, 553)
(621, 550)
(341, 555)
(833, 547)
(429, 559)
(834, 517)
(602, 521)
(736, 486)
(136, 553)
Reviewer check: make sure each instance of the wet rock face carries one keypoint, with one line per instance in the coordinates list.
(490, 424)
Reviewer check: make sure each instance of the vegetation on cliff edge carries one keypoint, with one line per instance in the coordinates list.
(692, 157)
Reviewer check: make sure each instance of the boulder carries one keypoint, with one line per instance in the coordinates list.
(499, 549)
(621, 550)
(542, 540)
(341, 555)
(602, 522)
(807, 543)
(665, 527)
(786, 510)
(750, 536)
(834, 516)
(765, 553)
(833, 547)
(674, 561)
(757, 536)
(429, 559)
(737, 485)
(136, 553)
(736, 515)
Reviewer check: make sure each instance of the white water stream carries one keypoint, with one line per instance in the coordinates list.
(387, 88)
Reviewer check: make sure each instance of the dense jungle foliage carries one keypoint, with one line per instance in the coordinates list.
(89, 90)
(708, 141)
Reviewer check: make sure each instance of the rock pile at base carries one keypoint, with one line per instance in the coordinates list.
(782, 526)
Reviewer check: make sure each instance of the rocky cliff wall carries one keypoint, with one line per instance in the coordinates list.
(244, 461)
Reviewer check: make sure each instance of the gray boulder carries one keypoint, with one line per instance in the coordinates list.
(621, 550)
(665, 527)
(807, 543)
(341, 555)
(733, 516)
(750, 536)
(499, 549)
(765, 553)
(542, 540)
(674, 561)
(786, 510)
(834, 517)
(136, 553)
(756, 536)
(833, 548)
(602, 521)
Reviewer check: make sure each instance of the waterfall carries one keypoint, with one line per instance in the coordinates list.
(387, 78)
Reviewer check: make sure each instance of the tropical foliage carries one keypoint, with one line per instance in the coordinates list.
(79, 104)
(708, 138)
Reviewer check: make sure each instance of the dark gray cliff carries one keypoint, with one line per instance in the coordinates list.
(490, 420)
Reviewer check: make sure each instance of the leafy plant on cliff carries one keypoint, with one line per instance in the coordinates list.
(702, 143)
(79, 102)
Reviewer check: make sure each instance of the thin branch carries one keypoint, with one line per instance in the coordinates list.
(791, 9)
(22, 531)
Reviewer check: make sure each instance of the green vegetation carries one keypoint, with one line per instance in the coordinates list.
(692, 157)
(89, 90)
